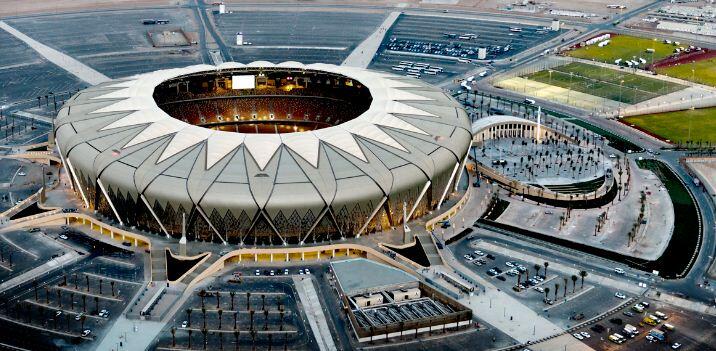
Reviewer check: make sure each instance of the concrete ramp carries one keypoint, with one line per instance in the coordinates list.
(314, 312)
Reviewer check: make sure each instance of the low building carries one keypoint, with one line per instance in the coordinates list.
(384, 302)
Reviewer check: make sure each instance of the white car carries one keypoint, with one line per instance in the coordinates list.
(650, 338)
(676, 346)
(468, 257)
(539, 288)
(184, 324)
(585, 335)
(619, 295)
(86, 332)
(612, 156)
(22, 174)
(63, 237)
(272, 273)
(79, 316)
(285, 271)
(258, 272)
(509, 264)
(578, 336)
(307, 271)
(479, 253)
(619, 270)
(300, 271)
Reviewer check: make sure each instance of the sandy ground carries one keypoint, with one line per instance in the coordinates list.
(651, 239)
(599, 7)
(25, 7)
(706, 171)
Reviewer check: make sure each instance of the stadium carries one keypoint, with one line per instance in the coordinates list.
(262, 153)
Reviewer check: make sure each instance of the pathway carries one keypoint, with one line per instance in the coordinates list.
(314, 312)
(363, 54)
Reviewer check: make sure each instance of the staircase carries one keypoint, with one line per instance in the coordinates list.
(159, 264)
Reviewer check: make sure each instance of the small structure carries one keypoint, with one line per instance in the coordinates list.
(556, 25)
(384, 302)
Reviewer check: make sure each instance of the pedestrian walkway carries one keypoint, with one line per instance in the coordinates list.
(64, 61)
(363, 54)
(133, 334)
(502, 311)
(314, 312)
(51, 265)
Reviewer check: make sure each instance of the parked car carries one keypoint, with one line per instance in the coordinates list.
(64, 237)
(86, 332)
(578, 336)
(619, 295)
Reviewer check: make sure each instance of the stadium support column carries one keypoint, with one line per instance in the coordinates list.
(539, 124)
(447, 186)
(109, 201)
(182, 241)
(372, 214)
(146, 203)
(462, 166)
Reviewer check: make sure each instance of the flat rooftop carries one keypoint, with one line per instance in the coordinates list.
(358, 275)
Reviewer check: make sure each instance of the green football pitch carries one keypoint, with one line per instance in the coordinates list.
(625, 47)
(679, 126)
(612, 84)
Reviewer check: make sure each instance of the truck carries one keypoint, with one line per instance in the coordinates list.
(630, 330)
(661, 315)
(658, 334)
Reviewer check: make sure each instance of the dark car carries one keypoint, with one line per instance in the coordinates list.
(597, 328)
(501, 277)
(490, 256)
(617, 321)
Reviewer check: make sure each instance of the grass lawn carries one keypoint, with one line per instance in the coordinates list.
(605, 82)
(675, 125)
(625, 47)
(704, 71)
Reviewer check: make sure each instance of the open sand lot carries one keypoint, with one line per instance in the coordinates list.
(20, 7)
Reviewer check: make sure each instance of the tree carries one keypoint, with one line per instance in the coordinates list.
(204, 331)
(87, 280)
(83, 318)
(574, 282)
(188, 316)
(265, 319)
(248, 301)
(236, 339)
(100, 286)
(537, 268)
(546, 264)
(582, 274)
(556, 290)
(190, 332)
(202, 295)
(565, 286)
(546, 293)
(203, 316)
(111, 284)
(232, 294)
(84, 303)
(174, 341)
(218, 299)
(220, 312)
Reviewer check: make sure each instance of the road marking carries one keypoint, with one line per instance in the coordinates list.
(104, 277)
(64, 61)
(18, 246)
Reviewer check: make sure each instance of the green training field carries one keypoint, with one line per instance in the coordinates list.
(704, 71)
(605, 82)
(675, 126)
(625, 47)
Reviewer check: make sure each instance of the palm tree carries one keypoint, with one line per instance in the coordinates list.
(565, 286)
(232, 294)
(236, 339)
(546, 264)
(556, 290)
(59, 297)
(248, 300)
(202, 295)
(220, 312)
(174, 341)
(546, 293)
(251, 316)
(188, 316)
(537, 268)
(82, 321)
(574, 282)
(582, 274)
(111, 284)
(265, 319)
(218, 299)
(263, 301)
(236, 314)
(204, 331)
(203, 316)
(190, 332)
(87, 280)
(280, 326)
(100, 286)
(72, 301)
(519, 278)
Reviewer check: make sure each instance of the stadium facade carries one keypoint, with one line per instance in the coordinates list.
(263, 153)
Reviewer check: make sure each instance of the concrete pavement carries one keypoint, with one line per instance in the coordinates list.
(364, 52)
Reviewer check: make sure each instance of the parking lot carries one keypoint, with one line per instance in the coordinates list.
(566, 308)
(240, 307)
(303, 36)
(688, 332)
(115, 42)
(74, 303)
(442, 41)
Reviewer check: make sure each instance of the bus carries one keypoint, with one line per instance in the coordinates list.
(457, 283)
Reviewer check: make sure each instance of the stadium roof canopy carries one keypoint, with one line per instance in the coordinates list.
(115, 133)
